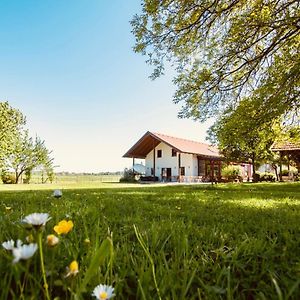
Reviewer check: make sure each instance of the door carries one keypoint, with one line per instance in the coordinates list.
(169, 174)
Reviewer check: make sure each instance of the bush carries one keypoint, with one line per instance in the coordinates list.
(128, 176)
(8, 178)
(293, 171)
(256, 177)
(285, 172)
(232, 173)
(267, 177)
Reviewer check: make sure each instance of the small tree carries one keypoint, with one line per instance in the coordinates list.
(26, 155)
(11, 122)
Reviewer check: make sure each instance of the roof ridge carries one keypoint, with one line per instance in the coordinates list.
(183, 139)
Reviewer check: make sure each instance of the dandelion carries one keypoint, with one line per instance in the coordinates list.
(23, 252)
(63, 227)
(36, 219)
(103, 292)
(72, 269)
(57, 193)
(10, 245)
(52, 240)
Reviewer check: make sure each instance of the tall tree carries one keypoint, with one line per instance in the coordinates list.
(223, 51)
(11, 122)
(239, 140)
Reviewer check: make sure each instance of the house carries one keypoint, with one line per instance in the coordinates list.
(170, 158)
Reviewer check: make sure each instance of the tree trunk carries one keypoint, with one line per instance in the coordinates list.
(17, 176)
(276, 172)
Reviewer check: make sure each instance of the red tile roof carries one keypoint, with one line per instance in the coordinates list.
(285, 146)
(151, 140)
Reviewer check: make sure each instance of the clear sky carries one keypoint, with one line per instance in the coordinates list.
(68, 65)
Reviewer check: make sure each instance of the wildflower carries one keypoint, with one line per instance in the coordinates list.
(63, 227)
(10, 245)
(103, 292)
(23, 252)
(72, 269)
(36, 219)
(87, 241)
(57, 193)
(52, 240)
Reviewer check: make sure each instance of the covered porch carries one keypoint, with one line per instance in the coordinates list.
(288, 152)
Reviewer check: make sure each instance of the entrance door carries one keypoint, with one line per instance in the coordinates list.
(169, 174)
(166, 174)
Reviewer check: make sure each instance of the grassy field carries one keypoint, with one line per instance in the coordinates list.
(239, 241)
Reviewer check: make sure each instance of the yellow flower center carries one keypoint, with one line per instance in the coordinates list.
(103, 295)
(63, 227)
(73, 266)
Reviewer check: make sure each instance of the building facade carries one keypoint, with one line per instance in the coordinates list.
(169, 158)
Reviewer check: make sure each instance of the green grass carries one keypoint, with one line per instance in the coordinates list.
(239, 241)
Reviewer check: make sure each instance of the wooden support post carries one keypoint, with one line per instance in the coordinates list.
(212, 167)
(280, 166)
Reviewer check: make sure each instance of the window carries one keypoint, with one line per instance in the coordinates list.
(159, 153)
(174, 152)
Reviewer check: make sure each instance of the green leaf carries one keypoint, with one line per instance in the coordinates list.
(103, 252)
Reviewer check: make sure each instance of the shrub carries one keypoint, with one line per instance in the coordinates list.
(232, 173)
(8, 178)
(267, 177)
(293, 172)
(128, 176)
(285, 172)
(256, 177)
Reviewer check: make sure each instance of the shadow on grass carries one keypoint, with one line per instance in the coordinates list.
(219, 242)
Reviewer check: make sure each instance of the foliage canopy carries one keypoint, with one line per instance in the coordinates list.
(11, 122)
(223, 51)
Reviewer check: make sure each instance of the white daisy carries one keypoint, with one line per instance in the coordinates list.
(57, 193)
(36, 219)
(24, 252)
(10, 245)
(103, 292)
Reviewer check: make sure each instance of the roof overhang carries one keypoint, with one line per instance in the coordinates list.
(143, 146)
(286, 146)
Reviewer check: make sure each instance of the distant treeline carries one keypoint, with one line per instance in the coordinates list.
(88, 174)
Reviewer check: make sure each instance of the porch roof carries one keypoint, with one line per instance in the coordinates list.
(150, 140)
(285, 146)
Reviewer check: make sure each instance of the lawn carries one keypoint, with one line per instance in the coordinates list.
(239, 241)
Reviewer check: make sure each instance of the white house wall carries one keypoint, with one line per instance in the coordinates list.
(189, 161)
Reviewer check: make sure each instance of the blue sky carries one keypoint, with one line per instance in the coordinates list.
(68, 65)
